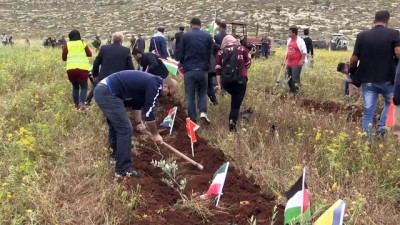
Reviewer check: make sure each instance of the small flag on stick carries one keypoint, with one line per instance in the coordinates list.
(171, 65)
(191, 127)
(218, 182)
(334, 215)
(298, 206)
(390, 115)
(170, 119)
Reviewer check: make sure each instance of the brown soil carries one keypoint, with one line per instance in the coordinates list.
(242, 197)
(353, 112)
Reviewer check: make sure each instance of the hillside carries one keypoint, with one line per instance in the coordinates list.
(39, 18)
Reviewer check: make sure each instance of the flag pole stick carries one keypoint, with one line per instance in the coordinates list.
(191, 143)
(173, 120)
(191, 161)
(302, 189)
(222, 185)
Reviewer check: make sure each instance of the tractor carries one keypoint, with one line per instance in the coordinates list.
(338, 42)
(239, 30)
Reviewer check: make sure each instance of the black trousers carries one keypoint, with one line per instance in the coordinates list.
(294, 78)
(237, 90)
(210, 89)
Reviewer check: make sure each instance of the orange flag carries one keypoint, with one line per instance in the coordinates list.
(390, 115)
(191, 127)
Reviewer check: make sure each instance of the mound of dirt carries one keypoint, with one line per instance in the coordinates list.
(241, 199)
(353, 112)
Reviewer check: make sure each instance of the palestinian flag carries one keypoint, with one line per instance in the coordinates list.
(191, 128)
(213, 26)
(171, 65)
(170, 119)
(334, 215)
(298, 206)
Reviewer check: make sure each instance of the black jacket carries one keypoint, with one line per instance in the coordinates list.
(153, 65)
(112, 58)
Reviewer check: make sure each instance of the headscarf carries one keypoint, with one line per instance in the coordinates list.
(229, 40)
(74, 35)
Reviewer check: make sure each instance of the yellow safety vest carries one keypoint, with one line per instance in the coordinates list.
(77, 58)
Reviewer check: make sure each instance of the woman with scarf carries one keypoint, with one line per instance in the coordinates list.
(76, 53)
(237, 88)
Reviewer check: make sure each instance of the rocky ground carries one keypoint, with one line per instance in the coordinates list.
(40, 18)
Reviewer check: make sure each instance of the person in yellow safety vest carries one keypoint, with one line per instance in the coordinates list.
(76, 53)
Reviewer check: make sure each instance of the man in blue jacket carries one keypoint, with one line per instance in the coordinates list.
(195, 59)
(158, 44)
(151, 63)
(141, 90)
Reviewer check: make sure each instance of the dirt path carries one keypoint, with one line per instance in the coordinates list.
(242, 197)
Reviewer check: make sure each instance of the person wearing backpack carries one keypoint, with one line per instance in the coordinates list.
(232, 63)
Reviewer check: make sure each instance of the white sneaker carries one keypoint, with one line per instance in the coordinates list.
(204, 119)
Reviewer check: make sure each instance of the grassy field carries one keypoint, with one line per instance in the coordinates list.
(54, 169)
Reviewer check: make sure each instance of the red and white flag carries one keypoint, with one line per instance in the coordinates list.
(218, 182)
(191, 128)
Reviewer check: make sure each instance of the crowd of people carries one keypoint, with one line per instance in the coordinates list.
(211, 64)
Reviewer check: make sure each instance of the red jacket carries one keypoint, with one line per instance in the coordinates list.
(244, 60)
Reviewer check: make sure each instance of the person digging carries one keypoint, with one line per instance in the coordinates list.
(136, 89)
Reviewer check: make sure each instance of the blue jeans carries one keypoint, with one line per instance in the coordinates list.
(196, 81)
(371, 93)
(119, 126)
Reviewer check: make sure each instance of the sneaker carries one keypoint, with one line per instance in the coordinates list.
(113, 161)
(87, 103)
(132, 173)
(232, 126)
(204, 119)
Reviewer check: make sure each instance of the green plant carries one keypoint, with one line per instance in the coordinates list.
(170, 169)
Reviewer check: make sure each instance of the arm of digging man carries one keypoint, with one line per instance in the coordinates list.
(152, 63)
(151, 95)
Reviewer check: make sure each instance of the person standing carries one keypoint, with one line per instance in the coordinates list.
(150, 63)
(112, 58)
(212, 75)
(158, 44)
(195, 59)
(221, 33)
(140, 43)
(132, 42)
(235, 87)
(373, 66)
(76, 53)
(265, 45)
(309, 43)
(4, 39)
(141, 90)
(295, 58)
(178, 41)
(96, 43)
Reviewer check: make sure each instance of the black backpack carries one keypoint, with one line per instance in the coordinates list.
(230, 71)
